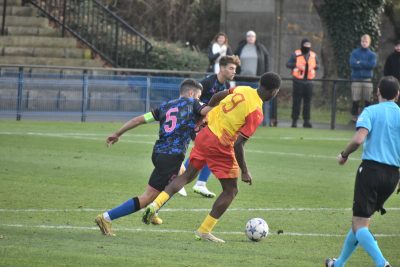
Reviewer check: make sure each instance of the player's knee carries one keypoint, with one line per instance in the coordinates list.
(233, 192)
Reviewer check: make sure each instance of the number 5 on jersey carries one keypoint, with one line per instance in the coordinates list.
(170, 120)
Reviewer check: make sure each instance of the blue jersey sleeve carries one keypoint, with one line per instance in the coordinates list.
(364, 120)
(197, 107)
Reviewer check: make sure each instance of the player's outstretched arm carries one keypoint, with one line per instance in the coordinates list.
(113, 138)
(239, 154)
(205, 110)
(216, 98)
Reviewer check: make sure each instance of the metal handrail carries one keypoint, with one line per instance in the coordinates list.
(101, 30)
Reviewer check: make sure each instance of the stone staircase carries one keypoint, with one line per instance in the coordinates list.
(30, 40)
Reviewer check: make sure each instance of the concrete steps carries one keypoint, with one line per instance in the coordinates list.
(25, 11)
(31, 31)
(46, 61)
(37, 41)
(25, 21)
(12, 2)
(30, 40)
(46, 52)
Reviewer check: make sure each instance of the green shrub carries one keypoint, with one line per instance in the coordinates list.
(347, 21)
(176, 56)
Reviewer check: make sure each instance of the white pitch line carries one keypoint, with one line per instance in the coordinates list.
(152, 143)
(174, 231)
(339, 139)
(194, 210)
(294, 154)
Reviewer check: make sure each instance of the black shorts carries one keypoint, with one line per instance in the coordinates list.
(375, 182)
(166, 167)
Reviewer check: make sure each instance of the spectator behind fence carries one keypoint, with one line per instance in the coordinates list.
(254, 61)
(303, 63)
(362, 63)
(392, 64)
(218, 48)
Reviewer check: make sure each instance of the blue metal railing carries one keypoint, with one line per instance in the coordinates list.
(66, 92)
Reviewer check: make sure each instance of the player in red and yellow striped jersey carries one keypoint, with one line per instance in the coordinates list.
(220, 145)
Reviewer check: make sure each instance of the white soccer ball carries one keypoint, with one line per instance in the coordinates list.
(256, 229)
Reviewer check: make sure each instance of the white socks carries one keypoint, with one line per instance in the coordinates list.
(106, 216)
(200, 183)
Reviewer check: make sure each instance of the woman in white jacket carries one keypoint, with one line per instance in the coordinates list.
(218, 48)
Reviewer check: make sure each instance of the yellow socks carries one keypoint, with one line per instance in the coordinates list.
(161, 199)
(207, 225)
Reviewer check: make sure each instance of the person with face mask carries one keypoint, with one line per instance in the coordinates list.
(304, 64)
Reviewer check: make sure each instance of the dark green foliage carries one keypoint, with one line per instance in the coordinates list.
(392, 10)
(194, 21)
(175, 22)
(347, 21)
(175, 56)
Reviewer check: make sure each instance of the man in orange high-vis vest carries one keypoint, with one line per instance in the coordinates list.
(303, 63)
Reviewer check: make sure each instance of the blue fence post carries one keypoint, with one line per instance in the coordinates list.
(85, 85)
(20, 92)
(148, 93)
(333, 106)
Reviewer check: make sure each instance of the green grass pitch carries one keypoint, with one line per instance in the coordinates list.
(55, 177)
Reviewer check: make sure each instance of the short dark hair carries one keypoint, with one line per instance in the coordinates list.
(388, 87)
(270, 81)
(224, 61)
(189, 84)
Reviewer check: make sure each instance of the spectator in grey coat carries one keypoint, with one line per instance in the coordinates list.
(254, 58)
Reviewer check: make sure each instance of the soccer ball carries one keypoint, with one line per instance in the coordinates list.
(256, 229)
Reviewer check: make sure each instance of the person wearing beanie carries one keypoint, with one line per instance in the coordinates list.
(362, 63)
(254, 56)
(303, 64)
(254, 61)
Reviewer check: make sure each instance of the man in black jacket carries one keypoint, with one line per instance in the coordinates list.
(392, 64)
(303, 64)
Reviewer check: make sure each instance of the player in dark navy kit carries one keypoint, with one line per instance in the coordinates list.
(213, 84)
(177, 119)
(378, 128)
